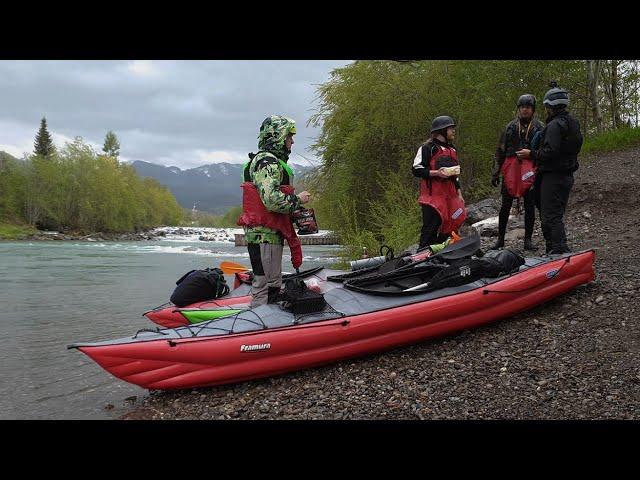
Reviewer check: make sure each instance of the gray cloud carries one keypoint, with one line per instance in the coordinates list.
(183, 113)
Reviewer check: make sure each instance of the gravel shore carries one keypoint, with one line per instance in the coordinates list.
(576, 357)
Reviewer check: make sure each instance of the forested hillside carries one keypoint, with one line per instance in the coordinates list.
(77, 189)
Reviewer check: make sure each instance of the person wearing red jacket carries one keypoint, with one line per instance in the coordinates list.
(437, 166)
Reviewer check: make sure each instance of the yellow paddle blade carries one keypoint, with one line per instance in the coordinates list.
(233, 267)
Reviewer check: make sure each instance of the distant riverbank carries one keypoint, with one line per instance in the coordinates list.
(26, 232)
(205, 234)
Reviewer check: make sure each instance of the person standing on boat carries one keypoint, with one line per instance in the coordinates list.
(556, 160)
(268, 200)
(437, 166)
(517, 174)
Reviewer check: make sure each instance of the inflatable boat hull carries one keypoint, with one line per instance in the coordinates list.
(175, 363)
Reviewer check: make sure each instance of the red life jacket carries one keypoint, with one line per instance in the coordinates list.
(441, 193)
(255, 214)
(518, 175)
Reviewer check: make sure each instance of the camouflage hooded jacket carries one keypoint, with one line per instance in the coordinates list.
(267, 174)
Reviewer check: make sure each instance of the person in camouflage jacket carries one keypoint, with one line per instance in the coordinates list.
(267, 220)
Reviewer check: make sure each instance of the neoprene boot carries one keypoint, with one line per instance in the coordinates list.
(528, 244)
(499, 243)
(560, 250)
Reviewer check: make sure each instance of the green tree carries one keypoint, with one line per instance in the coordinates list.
(111, 145)
(43, 144)
(374, 115)
(230, 219)
(10, 183)
(79, 190)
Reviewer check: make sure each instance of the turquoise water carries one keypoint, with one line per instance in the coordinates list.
(54, 293)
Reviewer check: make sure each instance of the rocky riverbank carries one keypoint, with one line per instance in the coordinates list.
(576, 357)
(92, 237)
(202, 233)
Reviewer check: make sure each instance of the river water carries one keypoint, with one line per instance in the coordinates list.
(54, 293)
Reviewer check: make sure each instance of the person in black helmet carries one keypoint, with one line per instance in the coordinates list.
(436, 164)
(556, 159)
(517, 174)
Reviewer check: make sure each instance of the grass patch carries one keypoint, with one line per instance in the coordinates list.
(619, 139)
(10, 231)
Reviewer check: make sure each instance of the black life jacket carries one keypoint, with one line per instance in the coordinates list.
(571, 143)
(515, 141)
(493, 264)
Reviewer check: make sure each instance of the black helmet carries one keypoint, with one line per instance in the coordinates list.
(556, 96)
(442, 122)
(527, 99)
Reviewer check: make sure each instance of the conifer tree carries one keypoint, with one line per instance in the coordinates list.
(111, 145)
(44, 144)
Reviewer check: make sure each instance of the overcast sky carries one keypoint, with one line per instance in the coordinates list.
(183, 113)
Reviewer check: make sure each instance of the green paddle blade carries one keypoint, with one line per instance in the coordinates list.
(197, 316)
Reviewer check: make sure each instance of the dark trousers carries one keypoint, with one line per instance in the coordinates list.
(552, 196)
(529, 212)
(431, 222)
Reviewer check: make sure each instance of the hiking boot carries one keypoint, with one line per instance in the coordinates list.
(499, 244)
(274, 295)
(528, 244)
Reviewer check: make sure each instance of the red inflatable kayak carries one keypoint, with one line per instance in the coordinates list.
(268, 340)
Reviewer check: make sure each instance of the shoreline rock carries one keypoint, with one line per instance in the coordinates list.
(203, 233)
(92, 237)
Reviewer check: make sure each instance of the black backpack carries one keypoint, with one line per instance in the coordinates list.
(199, 285)
(297, 298)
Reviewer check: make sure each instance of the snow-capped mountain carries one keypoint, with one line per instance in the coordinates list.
(211, 188)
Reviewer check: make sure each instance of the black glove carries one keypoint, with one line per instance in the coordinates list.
(495, 180)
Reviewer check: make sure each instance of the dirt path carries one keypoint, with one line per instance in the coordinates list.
(576, 357)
